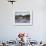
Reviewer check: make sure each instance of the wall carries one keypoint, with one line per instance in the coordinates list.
(9, 31)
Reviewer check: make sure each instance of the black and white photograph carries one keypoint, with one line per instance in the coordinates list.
(23, 18)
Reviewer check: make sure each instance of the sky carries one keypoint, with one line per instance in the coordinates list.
(22, 13)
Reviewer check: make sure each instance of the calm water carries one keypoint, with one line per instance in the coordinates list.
(22, 21)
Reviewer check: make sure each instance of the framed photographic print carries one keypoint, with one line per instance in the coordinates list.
(23, 18)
